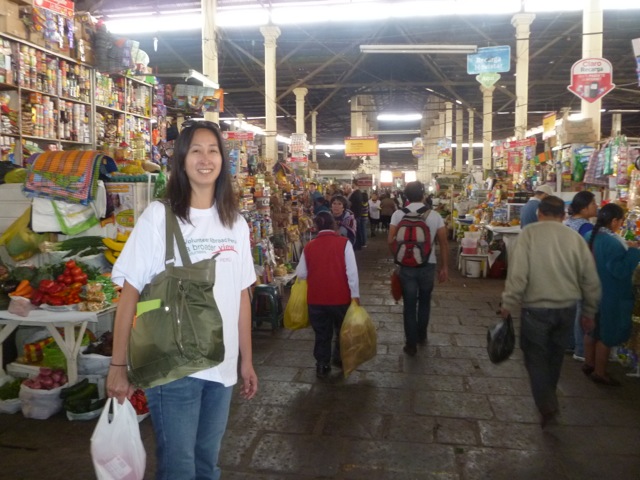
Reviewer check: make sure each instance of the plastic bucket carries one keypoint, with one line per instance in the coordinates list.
(473, 268)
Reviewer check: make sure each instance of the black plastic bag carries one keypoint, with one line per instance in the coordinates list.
(501, 340)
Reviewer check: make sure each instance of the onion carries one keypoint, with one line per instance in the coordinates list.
(28, 382)
(45, 372)
(36, 385)
(47, 383)
(56, 376)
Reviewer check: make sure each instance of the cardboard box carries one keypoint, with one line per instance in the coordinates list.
(10, 22)
(84, 52)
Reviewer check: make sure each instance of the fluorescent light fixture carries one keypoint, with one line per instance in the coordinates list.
(206, 81)
(399, 117)
(410, 176)
(453, 49)
(394, 132)
(386, 176)
(327, 154)
(155, 23)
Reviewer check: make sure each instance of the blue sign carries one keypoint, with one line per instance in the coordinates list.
(489, 60)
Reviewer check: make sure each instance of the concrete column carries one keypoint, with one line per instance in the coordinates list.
(270, 35)
(300, 93)
(210, 48)
(592, 48)
(470, 149)
(616, 124)
(458, 162)
(448, 134)
(487, 125)
(522, 22)
(356, 117)
(314, 119)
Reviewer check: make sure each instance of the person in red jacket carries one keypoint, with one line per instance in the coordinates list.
(328, 263)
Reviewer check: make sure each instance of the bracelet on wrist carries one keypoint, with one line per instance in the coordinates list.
(118, 365)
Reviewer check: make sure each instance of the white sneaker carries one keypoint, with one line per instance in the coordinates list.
(578, 358)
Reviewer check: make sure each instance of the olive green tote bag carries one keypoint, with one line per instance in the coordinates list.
(178, 328)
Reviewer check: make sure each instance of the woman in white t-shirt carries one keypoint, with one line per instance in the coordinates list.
(190, 414)
(374, 213)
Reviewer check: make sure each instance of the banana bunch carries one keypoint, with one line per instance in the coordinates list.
(114, 246)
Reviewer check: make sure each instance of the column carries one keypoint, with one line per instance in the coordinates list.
(522, 22)
(314, 119)
(616, 124)
(458, 162)
(210, 48)
(448, 135)
(487, 125)
(592, 48)
(470, 149)
(357, 119)
(270, 35)
(300, 93)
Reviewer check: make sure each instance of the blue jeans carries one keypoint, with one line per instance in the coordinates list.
(417, 285)
(361, 231)
(189, 419)
(544, 336)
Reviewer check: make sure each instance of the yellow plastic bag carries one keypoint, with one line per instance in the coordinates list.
(296, 314)
(358, 339)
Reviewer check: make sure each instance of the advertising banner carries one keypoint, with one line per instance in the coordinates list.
(360, 146)
(591, 78)
(61, 7)
(489, 60)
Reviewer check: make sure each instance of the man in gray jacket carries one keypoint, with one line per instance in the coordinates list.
(550, 269)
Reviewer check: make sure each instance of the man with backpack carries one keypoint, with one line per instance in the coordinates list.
(413, 231)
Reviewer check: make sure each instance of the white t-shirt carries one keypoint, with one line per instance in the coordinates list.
(434, 222)
(374, 209)
(143, 258)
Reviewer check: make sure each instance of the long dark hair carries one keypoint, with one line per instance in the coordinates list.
(606, 215)
(179, 188)
(581, 200)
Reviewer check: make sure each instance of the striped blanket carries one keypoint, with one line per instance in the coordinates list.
(71, 175)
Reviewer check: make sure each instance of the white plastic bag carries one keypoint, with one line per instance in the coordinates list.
(116, 446)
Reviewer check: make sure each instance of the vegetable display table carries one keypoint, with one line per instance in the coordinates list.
(70, 344)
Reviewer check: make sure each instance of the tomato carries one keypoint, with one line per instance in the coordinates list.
(70, 264)
(60, 278)
(76, 271)
(67, 280)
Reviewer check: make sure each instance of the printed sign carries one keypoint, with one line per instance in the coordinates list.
(591, 78)
(488, 80)
(237, 135)
(549, 125)
(62, 7)
(360, 146)
(489, 60)
(525, 142)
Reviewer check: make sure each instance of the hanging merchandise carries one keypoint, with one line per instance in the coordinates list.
(581, 157)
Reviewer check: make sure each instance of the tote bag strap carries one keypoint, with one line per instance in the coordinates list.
(173, 231)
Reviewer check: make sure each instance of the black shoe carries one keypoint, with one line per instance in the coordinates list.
(410, 350)
(322, 371)
(422, 341)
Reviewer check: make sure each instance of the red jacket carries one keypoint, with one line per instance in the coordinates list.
(327, 282)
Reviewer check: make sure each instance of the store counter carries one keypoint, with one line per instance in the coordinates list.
(68, 321)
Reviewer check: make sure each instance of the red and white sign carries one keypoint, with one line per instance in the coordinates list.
(62, 7)
(591, 78)
(525, 142)
(237, 135)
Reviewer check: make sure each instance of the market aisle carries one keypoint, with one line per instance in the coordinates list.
(447, 413)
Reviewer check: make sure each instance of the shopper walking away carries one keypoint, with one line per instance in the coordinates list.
(582, 209)
(387, 207)
(417, 282)
(328, 263)
(190, 414)
(528, 212)
(616, 263)
(550, 270)
(364, 211)
(374, 213)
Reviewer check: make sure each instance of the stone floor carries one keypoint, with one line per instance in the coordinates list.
(446, 414)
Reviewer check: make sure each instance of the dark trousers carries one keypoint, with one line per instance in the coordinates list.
(326, 321)
(544, 336)
(417, 285)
